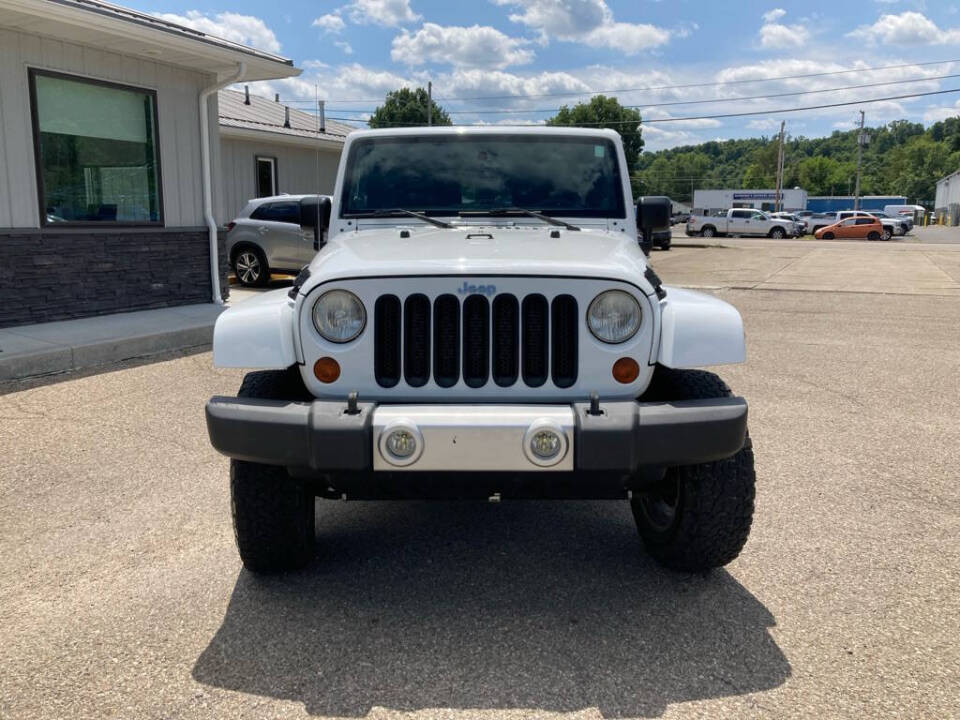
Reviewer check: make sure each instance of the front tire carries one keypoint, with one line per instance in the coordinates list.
(697, 517)
(273, 513)
(827, 236)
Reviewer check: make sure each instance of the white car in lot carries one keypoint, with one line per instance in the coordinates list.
(481, 322)
(744, 222)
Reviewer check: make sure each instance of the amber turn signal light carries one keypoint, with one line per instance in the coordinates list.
(625, 370)
(326, 369)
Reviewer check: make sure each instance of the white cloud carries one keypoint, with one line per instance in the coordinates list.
(589, 22)
(627, 37)
(935, 114)
(243, 29)
(777, 36)
(345, 46)
(390, 13)
(907, 28)
(774, 15)
(331, 23)
(476, 46)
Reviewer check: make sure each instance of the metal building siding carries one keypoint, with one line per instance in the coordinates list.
(845, 202)
(178, 127)
(297, 170)
(948, 191)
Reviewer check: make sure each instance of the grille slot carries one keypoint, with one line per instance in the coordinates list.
(446, 340)
(535, 336)
(506, 340)
(416, 340)
(476, 341)
(386, 335)
(563, 334)
(531, 340)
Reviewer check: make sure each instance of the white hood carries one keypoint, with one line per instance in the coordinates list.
(476, 251)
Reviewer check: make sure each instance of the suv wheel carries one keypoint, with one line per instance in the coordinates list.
(777, 233)
(273, 513)
(708, 231)
(250, 267)
(886, 234)
(697, 517)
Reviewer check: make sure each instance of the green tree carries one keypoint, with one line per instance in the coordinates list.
(820, 175)
(406, 107)
(606, 112)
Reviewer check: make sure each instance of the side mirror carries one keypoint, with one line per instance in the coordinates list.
(315, 215)
(653, 214)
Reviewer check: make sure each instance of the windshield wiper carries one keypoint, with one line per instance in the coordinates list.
(403, 211)
(518, 211)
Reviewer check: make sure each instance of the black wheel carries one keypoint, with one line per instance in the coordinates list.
(250, 267)
(665, 244)
(874, 236)
(886, 234)
(708, 231)
(827, 236)
(777, 233)
(273, 513)
(697, 517)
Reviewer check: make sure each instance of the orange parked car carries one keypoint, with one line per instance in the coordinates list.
(869, 228)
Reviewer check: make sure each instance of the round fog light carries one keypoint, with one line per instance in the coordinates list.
(545, 443)
(401, 443)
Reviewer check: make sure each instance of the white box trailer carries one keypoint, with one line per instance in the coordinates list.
(711, 201)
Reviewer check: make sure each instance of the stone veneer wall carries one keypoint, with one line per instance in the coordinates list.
(58, 274)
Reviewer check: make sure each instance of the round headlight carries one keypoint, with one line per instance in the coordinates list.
(339, 316)
(614, 316)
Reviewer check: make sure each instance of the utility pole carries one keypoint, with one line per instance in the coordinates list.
(860, 138)
(429, 103)
(776, 202)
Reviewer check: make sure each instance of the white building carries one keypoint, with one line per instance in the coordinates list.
(712, 201)
(947, 204)
(110, 183)
(267, 148)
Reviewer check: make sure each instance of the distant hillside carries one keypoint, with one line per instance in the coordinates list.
(901, 159)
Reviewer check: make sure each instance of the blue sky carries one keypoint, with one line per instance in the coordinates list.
(534, 55)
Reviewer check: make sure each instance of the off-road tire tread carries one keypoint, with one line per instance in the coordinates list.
(274, 385)
(273, 513)
(717, 498)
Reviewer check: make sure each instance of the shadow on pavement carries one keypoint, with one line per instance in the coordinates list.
(549, 605)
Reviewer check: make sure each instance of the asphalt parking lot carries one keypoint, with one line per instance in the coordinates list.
(122, 595)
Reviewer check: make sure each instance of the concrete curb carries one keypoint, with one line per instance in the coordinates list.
(56, 347)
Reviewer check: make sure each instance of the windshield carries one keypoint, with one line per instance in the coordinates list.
(448, 174)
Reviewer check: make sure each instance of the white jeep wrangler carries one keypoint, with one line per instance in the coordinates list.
(481, 322)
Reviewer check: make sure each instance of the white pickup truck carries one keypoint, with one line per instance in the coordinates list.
(891, 226)
(742, 221)
(481, 322)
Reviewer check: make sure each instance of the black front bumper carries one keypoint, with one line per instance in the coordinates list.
(322, 438)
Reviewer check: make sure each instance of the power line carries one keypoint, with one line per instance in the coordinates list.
(719, 116)
(658, 87)
(517, 111)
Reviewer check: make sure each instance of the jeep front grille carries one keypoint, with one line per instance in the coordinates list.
(475, 340)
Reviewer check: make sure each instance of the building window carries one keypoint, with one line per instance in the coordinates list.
(96, 151)
(266, 176)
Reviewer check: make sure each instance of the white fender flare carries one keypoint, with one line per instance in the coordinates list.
(257, 333)
(698, 330)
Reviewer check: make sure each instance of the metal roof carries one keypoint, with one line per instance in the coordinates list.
(118, 29)
(267, 116)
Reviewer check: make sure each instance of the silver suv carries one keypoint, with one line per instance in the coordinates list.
(275, 235)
